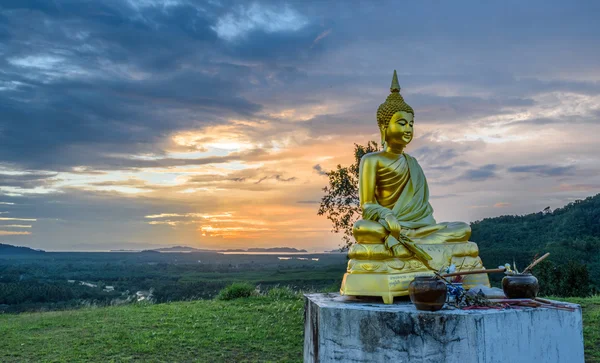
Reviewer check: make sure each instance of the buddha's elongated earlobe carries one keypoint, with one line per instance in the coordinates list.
(382, 132)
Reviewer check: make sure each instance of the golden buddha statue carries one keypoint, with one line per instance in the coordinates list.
(398, 238)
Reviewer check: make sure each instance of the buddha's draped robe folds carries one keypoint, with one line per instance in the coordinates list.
(401, 190)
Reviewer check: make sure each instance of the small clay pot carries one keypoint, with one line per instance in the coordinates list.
(521, 286)
(427, 293)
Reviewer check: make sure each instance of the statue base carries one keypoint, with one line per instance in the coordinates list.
(388, 286)
(347, 329)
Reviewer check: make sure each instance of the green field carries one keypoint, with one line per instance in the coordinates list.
(249, 329)
(591, 325)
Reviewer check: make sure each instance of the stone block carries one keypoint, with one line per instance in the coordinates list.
(348, 329)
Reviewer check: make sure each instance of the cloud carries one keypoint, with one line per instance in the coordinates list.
(321, 36)
(319, 169)
(258, 17)
(502, 205)
(482, 173)
(543, 170)
(444, 196)
(13, 233)
(125, 109)
(18, 219)
(434, 155)
(589, 188)
(275, 177)
(26, 180)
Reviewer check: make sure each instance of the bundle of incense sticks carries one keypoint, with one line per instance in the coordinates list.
(534, 303)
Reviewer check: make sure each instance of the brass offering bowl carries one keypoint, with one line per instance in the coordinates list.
(427, 293)
(520, 286)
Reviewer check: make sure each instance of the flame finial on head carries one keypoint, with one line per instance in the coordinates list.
(395, 87)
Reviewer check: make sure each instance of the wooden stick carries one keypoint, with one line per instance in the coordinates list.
(511, 301)
(544, 300)
(442, 277)
(536, 262)
(473, 272)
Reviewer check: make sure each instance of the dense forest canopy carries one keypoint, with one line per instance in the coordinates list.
(570, 234)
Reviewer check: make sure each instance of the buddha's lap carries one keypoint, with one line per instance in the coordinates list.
(408, 265)
(371, 232)
(446, 251)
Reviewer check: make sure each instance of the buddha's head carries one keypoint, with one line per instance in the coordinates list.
(395, 118)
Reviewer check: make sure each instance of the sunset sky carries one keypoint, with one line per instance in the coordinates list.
(149, 123)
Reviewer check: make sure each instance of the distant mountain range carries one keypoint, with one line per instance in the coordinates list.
(179, 249)
(16, 250)
(6, 249)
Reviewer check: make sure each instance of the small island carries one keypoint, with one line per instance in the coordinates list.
(277, 249)
(186, 249)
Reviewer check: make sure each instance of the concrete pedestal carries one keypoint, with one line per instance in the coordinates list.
(347, 329)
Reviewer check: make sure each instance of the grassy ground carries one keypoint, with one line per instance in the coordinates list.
(249, 329)
(591, 325)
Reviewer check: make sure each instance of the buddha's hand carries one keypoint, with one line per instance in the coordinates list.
(393, 225)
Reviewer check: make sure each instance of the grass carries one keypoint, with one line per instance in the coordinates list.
(260, 328)
(249, 329)
(591, 325)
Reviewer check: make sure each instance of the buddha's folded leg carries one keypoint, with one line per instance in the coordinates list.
(441, 233)
(368, 232)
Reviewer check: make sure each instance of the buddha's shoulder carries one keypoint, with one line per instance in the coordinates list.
(374, 157)
(380, 158)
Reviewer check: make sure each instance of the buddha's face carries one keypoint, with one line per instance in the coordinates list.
(400, 129)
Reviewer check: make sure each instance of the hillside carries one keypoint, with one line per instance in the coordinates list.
(568, 233)
(6, 249)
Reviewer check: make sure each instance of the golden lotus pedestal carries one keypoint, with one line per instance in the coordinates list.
(388, 277)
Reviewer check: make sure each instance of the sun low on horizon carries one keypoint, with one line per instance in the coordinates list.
(137, 124)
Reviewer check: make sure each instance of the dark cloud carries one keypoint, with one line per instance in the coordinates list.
(113, 76)
(80, 78)
(453, 166)
(246, 179)
(93, 219)
(277, 177)
(319, 169)
(434, 155)
(27, 180)
(85, 85)
(543, 170)
(453, 109)
(482, 173)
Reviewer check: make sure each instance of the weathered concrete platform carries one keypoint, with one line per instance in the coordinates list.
(346, 329)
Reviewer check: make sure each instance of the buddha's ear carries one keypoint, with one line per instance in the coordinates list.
(382, 132)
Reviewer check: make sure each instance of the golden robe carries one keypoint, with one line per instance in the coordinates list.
(408, 201)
